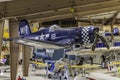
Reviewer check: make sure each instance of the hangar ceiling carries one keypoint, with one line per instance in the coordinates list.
(47, 10)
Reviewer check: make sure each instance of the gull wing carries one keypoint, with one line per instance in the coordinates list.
(37, 44)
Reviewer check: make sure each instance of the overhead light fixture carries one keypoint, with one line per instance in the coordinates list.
(4, 0)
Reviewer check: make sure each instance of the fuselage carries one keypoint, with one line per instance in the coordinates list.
(83, 35)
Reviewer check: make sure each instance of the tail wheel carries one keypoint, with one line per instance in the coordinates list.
(49, 76)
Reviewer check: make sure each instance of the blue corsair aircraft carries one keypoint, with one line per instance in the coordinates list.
(55, 37)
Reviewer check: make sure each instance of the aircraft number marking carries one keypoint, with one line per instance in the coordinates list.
(53, 36)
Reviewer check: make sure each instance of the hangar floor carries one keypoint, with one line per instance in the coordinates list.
(40, 74)
(33, 75)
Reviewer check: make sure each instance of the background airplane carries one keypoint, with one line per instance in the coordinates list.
(115, 32)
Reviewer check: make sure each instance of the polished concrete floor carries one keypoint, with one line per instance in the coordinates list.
(40, 74)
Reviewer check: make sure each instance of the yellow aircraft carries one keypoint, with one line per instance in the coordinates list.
(39, 63)
(86, 66)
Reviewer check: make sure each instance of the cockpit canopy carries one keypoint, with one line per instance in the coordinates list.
(54, 28)
(41, 28)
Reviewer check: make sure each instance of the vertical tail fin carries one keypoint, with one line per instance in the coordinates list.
(24, 28)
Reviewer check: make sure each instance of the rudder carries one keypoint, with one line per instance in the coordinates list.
(24, 28)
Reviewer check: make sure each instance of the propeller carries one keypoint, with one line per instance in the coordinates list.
(97, 38)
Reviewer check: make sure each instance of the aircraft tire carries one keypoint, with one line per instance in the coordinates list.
(49, 76)
(4, 70)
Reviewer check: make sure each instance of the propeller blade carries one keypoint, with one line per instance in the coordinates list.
(95, 43)
(104, 41)
(97, 37)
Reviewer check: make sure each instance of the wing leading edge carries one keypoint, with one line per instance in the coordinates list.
(37, 44)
